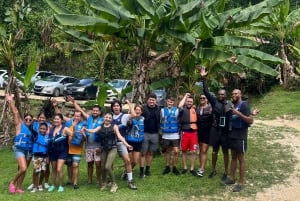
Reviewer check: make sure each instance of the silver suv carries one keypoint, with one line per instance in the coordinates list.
(53, 85)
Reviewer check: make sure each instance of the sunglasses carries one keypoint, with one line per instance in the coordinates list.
(221, 94)
(202, 98)
(28, 120)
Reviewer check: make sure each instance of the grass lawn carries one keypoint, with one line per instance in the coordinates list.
(267, 162)
(264, 167)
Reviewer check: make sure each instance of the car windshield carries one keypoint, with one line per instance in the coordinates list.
(118, 84)
(53, 78)
(84, 81)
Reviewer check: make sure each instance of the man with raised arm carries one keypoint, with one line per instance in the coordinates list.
(189, 136)
(220, 126)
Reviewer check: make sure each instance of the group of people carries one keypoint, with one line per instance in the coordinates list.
(134, 136)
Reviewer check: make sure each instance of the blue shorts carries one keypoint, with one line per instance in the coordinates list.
(54, 156)
(73, 158)
(22, 153)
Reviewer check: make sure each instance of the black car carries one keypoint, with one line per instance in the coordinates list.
(82, 89)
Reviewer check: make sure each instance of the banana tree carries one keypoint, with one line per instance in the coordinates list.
(151, 26)
(281, 25)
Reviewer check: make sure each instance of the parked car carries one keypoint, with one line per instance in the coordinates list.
(82, 89)
(41, 75)
(119, 85)
(3, 81)
(53, 85)
(38, 75)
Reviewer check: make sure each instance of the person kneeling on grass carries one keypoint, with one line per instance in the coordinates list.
(40, 152)
(108, 133)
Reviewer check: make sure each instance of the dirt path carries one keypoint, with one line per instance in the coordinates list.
(290, 190)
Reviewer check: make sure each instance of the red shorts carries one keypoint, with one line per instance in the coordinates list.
(189, 141)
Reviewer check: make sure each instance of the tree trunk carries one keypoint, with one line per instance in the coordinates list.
(287, 69)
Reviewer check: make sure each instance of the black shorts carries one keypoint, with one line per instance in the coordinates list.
(170, 143)
(238, 145)
(203, 135)
(217, 139)
(137, 146)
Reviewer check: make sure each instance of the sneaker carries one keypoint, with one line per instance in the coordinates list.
(228, 182)
(147, 173)
(46, 185)
(40, 188)
(131, 185)
(212, 174)
(124, 176)
(224, 177)
(76, 187)
(113, 188)
(19, 191)
(34, 190)
(51, 188)
(200, 172)
(60, 189)
(175, 171)
(104, 186)
(166, 170)
(193, 172)
(142, 175)
(11, 188)
(237, 188)
(30, 187)
(184, 171)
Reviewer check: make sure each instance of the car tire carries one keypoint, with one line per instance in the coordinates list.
(56, 92)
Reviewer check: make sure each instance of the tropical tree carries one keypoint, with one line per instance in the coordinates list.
(150, 27)
(283, 26)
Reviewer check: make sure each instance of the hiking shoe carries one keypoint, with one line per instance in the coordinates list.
(147, 173)
(124, 176)
(11, 188)
(131, 185)
(175, 171)
(113, 188)
(51, 188)
(60, 189)
(200, 172)
(30, 187)
(228, 182)
(193, 172)
(166, 170)
(237, 188)
(40, 188)
(224, 177)
(34, 190)
(76, 187)
(212, 174)
(46, 185)
(184, 171)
